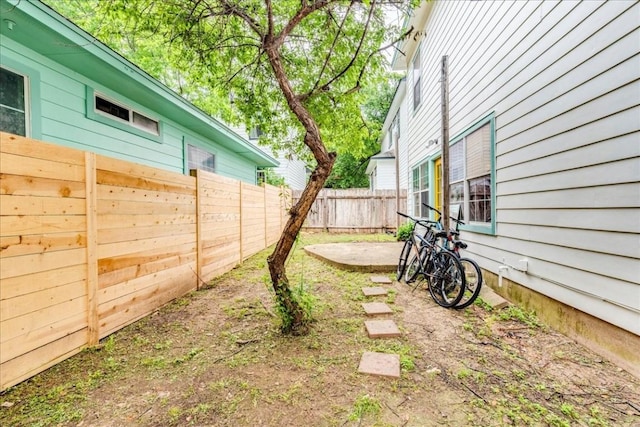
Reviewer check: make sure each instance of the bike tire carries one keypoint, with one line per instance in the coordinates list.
(473, 282)
(447, 283)
(402, 262)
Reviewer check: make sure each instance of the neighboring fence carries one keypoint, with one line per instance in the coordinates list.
(89, 244)
(354, 210)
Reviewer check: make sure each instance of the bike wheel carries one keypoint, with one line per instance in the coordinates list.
(473, 282)
(447, 284)
(416, 265)
(402, 262)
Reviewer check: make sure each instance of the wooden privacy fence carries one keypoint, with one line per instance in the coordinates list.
(89, 244)
(354, 210)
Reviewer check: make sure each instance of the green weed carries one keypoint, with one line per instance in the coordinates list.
(365, 405)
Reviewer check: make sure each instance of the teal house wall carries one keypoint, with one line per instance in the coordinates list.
(64, 68)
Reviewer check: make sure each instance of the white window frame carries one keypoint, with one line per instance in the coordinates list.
(131, 114)
(462, 182)
(420, 188)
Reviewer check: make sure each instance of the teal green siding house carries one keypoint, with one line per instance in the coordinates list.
(61, 85)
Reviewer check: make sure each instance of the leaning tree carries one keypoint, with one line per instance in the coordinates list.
(295, 68)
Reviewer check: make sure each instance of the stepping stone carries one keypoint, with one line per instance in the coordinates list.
(381, 364)
(373, 291)
(382, 329)
(376, 308)
(492, 298)
(380, 279)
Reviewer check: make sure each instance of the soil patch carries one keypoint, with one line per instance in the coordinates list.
(216, 358)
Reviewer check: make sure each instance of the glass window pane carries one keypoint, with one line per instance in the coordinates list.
(200, 159)
(456, 162)
(416, 179)
(424, 176)
(12, 121)
(146, 123)
(479, 152)
(11, 90)
(424, 199)
(480, 199)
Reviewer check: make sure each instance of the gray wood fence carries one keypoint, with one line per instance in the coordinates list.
(354, 210)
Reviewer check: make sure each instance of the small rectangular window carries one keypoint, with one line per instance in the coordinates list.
(201, 159)
(126, 114)
(146, 123)
(421, 190)
(255, 132)
(417, 89)
(13, 101)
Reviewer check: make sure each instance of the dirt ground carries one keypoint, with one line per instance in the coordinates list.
(216, 358)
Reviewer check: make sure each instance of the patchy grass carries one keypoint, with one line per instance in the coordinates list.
(216, 357)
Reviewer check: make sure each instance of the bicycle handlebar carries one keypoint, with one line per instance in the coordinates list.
(456, 220)
(424, 222)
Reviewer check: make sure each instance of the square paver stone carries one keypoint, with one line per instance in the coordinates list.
(382, 328)
(376, 308)
(380, 279)
(373, 291)
(381, 364)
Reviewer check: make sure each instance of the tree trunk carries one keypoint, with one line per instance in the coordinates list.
(292, 314)
(294, 320)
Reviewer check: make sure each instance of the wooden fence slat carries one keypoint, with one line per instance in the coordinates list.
(93, 332)
(353, 210)
(90, 244)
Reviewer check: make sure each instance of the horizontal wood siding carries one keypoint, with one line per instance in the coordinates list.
(562, 79)
(353, 210)
(65, 121)
(89, 244)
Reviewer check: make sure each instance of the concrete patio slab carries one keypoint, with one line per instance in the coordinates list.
(382, 329)
(372, 257)
(381, 364)
(376, 308)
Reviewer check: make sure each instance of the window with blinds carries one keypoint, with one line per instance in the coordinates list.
(470, 176)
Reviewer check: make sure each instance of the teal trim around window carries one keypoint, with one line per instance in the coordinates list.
(122, 125)
(490, 119)
(35, 100)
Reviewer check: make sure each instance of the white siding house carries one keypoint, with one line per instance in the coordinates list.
(293, 170)
(384, 166)
(544, 117)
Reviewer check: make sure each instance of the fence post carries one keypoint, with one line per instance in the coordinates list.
(93, 327)
(199, 242)
(241, 203)
(266, 229)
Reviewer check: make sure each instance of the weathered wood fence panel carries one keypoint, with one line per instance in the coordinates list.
(354, 210)
(89, 244)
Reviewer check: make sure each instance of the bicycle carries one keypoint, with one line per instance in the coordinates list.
(441, 269)
(472, 272)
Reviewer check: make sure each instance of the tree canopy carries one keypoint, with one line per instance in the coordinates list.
(295, 68)
(211, 58)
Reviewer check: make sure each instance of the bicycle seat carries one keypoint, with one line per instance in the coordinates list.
(460, 245)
